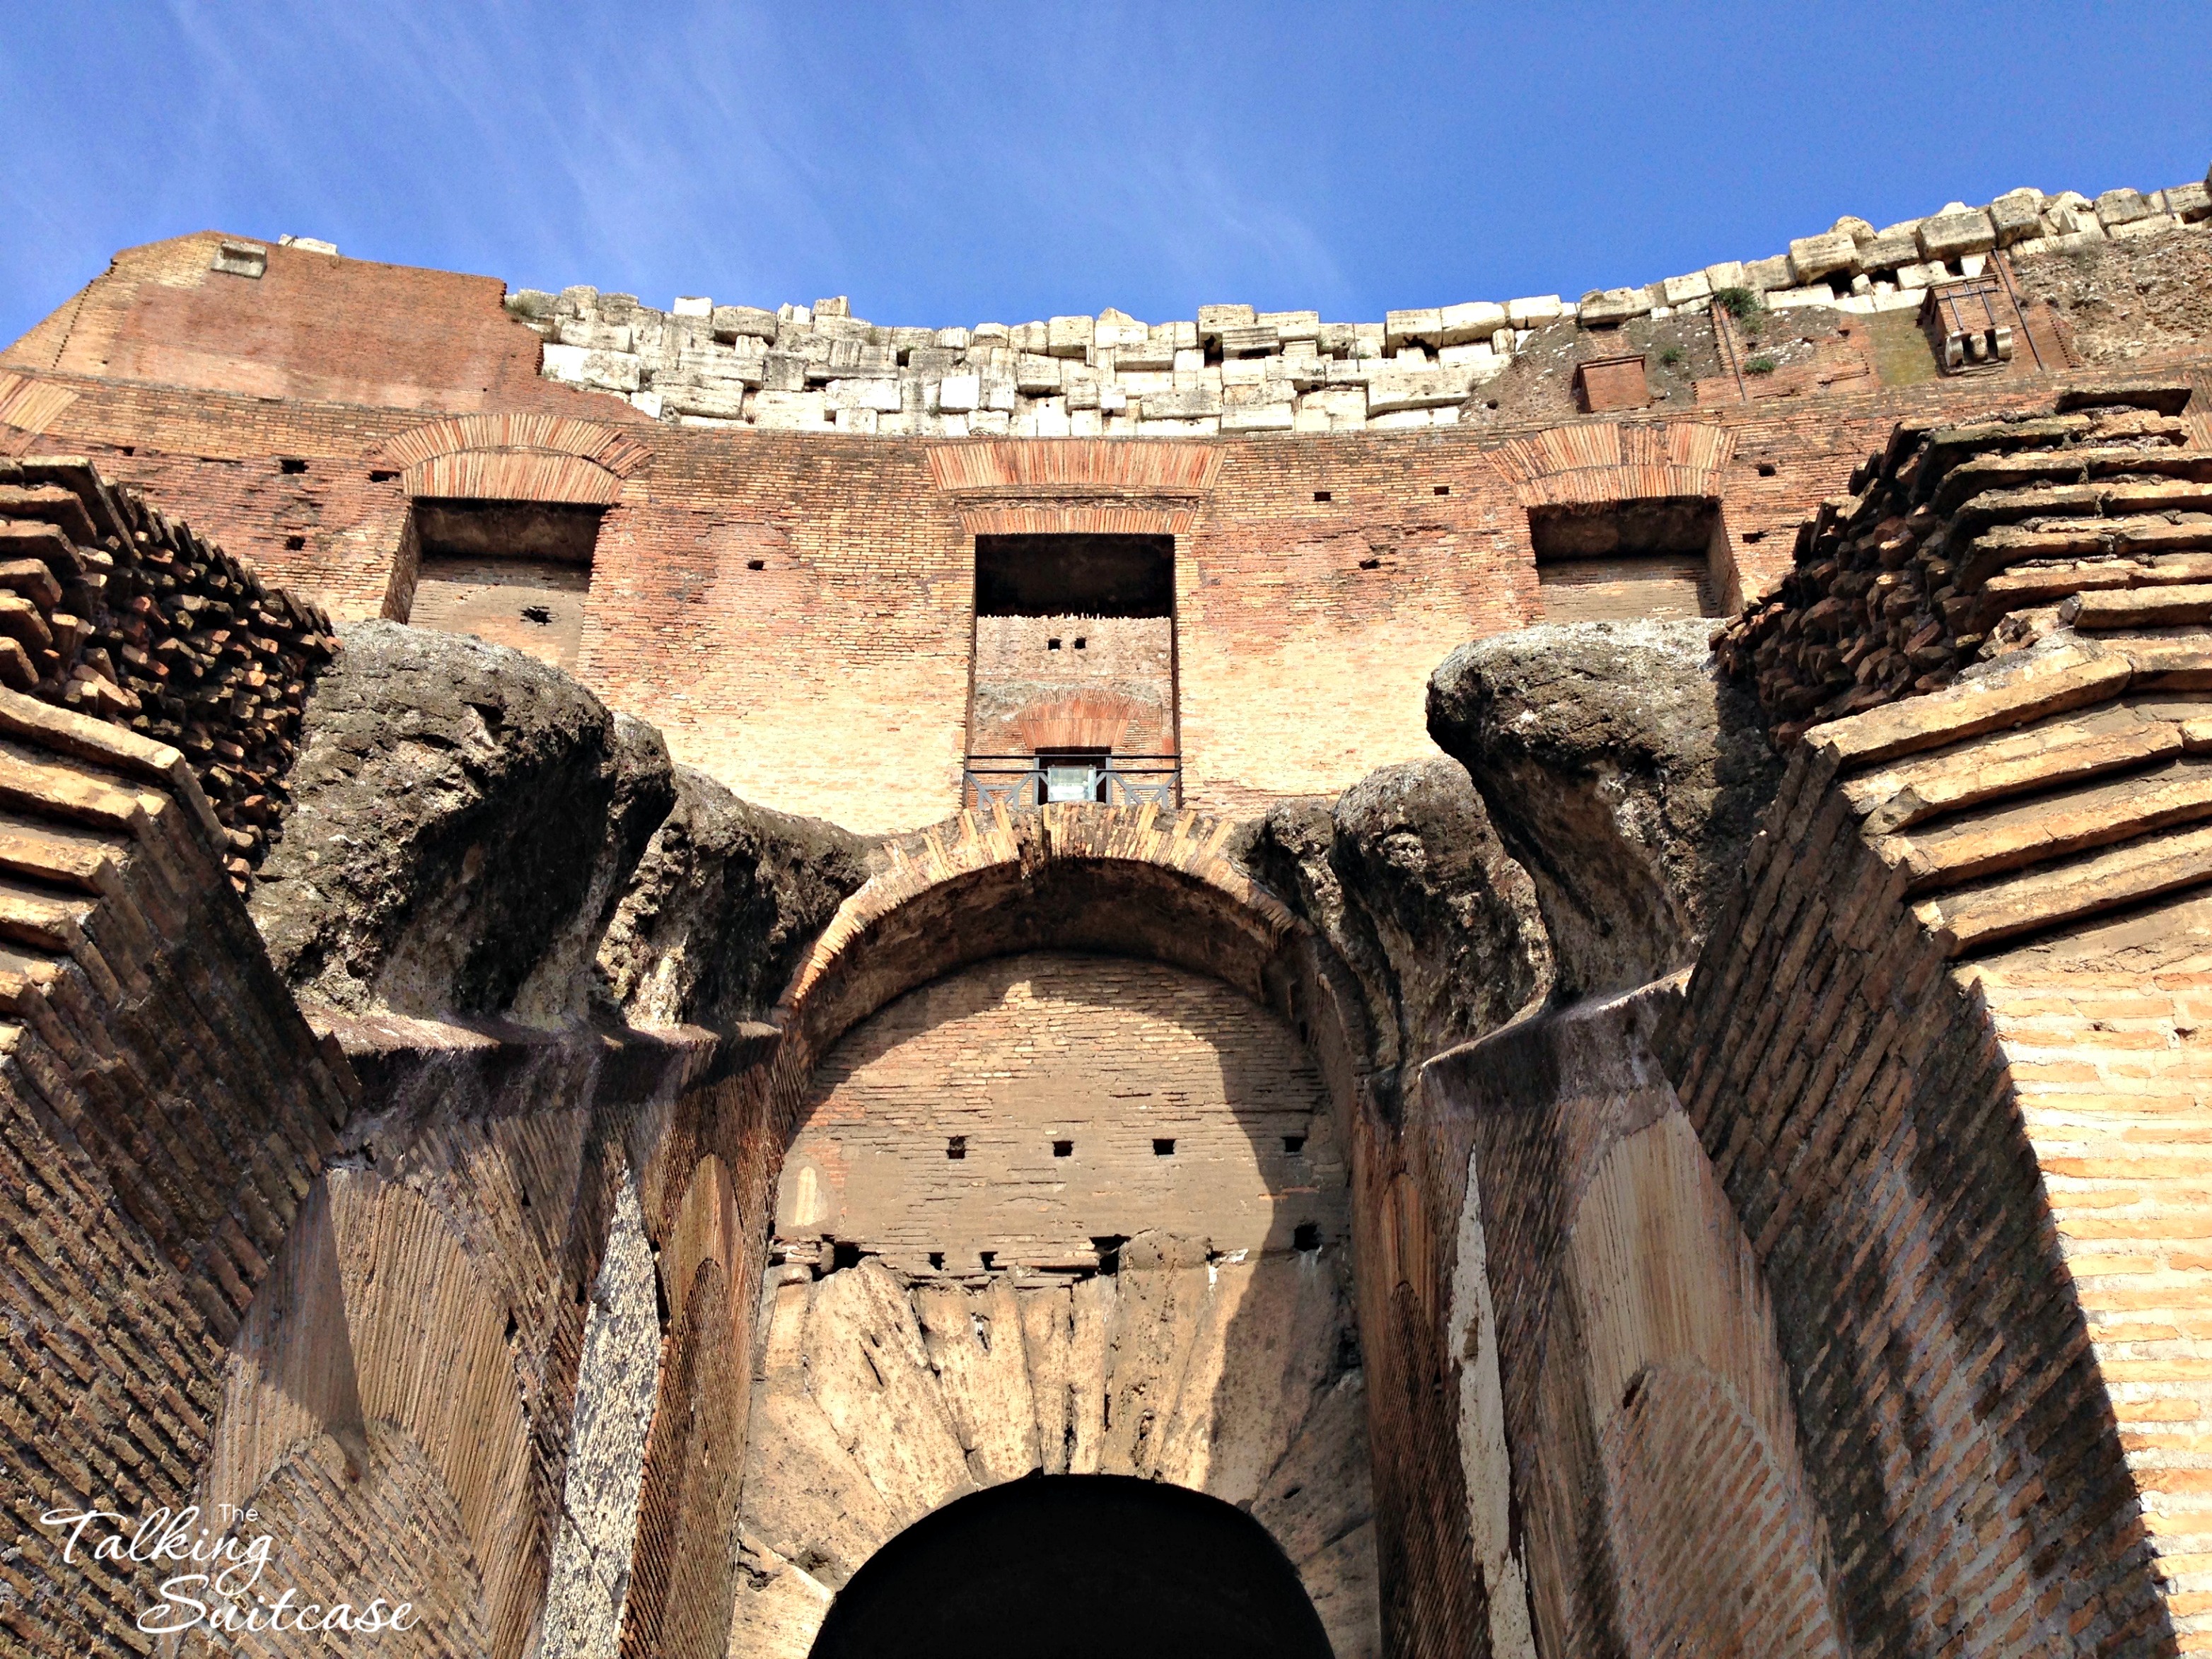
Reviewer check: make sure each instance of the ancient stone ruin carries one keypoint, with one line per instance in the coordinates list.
(1530, 979)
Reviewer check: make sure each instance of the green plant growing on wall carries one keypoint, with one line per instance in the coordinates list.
(1671, 357)
(1740, 303)
(1760, 366)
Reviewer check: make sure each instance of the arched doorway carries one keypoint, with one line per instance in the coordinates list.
(1077, 1566)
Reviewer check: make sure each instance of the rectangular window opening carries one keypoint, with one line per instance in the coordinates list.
(509, 573)
(1658, 559)
(1074, 575)
(1163, 1147)
(1063, 1148)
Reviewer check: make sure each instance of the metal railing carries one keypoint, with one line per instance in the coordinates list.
(1034, 780)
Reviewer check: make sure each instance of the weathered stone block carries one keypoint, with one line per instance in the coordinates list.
(1681, 290)
(1812, 258)
(798, 411)
(1401, 328)
(1767, 274)
(1601, 307)
(2122, 207)
(612, 371)
(1534, 311)
(1183, 403)
(1248, 341)
(1949, 235)
(1898, 245)
(1069, 337)
(1211, 319)
(1476, 320)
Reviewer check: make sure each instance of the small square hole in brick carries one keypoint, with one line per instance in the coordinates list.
(1108, 1246)
(1322, 496)
(989, 1259)
(291, 467)
(756, 564)
(1306, 1236)
(380, 475)
(956, 1146)
(1063, 1148)
(1370, 564)
(295, 543)
(1080, 642)
(843, 1253)
(1294, 1143)
(1052, 645)
(1444, 490)
(1766, 469)
(937, 1259)
(1163, 1148)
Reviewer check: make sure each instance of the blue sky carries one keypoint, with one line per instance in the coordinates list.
(955, 163)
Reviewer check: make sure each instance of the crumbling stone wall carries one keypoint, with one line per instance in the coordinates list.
(1235, 370)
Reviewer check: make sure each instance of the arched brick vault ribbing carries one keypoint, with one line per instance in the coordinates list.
(1134, 882)
(516, 458)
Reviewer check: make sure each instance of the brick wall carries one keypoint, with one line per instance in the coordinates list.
(1106, 1054)
(1305, 627)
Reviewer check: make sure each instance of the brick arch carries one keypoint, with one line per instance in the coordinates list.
(1600, 461)
(1125, 880)
(1659, 1326)
(1234, 1354)
(517, 457)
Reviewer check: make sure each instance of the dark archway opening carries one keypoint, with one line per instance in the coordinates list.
(1074, 1566)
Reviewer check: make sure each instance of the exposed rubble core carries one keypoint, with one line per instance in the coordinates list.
(1415, 893)
(1622, 773)
(1962, 542)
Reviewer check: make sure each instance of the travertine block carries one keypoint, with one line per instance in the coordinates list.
(743, 322)
(1681, 290)
(1476, 320)
(1290, 326)
(691, 304)
(1812, 258)
(1532, 312)
(1256, 409)
(1612, 305)
(1211, 319)
(1339, 408)
(1183, 403)
(882, 395)
(1950, 233)
(790, 410)
(1767, 274)
(595, 337)
(1118, 328)
(1250, 340)
(613, 371)
(1889, 249)
(958, 393)
(1396, 389)
(2116, 207)
(2016, 216)
(1402, 327)
(1069, 337)
(1034, 375)
(1152, 353)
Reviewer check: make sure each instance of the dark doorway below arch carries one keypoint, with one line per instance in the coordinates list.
(1072, 1566)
